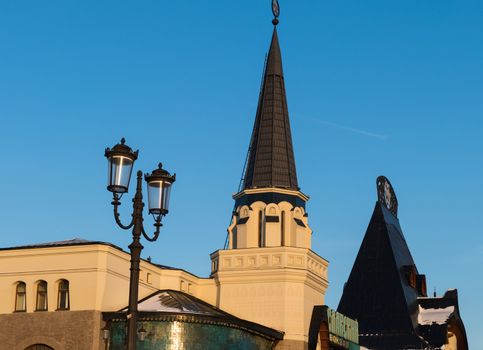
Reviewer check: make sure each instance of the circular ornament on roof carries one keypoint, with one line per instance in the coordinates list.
(386, 195)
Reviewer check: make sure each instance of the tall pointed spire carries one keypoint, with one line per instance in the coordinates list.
(271, 161)
(269, 230)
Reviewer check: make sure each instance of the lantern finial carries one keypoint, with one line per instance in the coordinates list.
(275, 11)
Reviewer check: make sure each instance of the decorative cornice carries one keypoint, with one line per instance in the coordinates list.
(250, 191)
(270, 264)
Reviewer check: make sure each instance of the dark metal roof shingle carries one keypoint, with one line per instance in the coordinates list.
(271, 161)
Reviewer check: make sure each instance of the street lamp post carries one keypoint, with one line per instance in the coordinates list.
(121, 159)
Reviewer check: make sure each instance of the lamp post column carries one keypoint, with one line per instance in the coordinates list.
(135, 247)
(120, 161)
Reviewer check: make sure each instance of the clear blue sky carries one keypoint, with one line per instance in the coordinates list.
(374, 87)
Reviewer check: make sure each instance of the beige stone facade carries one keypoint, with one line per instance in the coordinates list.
(98, 276)
(276, 286)
(269, 274)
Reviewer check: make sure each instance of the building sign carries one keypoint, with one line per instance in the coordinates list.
(342, 328)
(332, 330)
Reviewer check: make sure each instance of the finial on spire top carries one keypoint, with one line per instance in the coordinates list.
(275, 11)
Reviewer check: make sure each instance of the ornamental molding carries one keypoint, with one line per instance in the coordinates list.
(248, 191)
(273, 264)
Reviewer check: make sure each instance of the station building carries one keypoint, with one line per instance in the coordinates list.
(266, 289)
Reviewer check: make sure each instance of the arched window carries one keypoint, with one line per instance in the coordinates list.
(20, 297)
(41, 304)
(39, 347)
(63, 302)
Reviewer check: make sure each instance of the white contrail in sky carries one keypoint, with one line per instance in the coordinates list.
(358, 131)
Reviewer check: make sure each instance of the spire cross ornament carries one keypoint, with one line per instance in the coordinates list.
(275, 11)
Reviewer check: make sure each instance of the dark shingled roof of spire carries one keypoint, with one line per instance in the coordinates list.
(271, 161)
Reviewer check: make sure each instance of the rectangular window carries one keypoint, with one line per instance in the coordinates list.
(261, 234)
(282, 229)
(234, 239)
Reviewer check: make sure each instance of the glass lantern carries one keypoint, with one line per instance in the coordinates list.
(159, 189)
(120, 163)
(142, 333)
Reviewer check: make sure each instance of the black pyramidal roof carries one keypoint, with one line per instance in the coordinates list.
(271, 161)
(388, 296)
(377, 293)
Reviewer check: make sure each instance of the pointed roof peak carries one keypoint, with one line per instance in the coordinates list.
(274, 59)
(271, 161)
